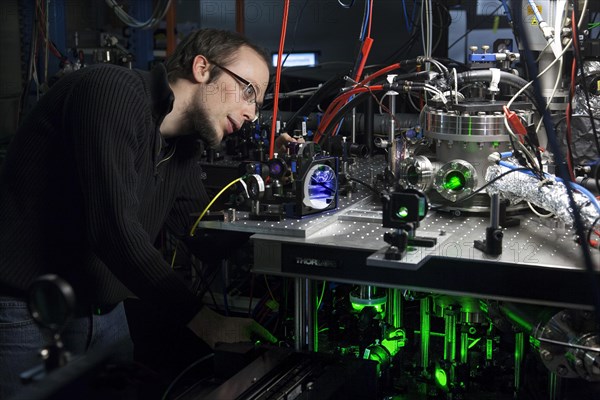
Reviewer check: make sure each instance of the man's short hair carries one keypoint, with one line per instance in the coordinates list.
(217, 45)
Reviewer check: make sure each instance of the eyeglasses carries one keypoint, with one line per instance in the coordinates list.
(249, 93)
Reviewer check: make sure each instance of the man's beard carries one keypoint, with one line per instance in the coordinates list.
(196, 122)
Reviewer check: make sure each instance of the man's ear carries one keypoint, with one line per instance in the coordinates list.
(200, 69)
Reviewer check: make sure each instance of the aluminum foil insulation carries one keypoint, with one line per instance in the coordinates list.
(551, 196)
(579, 101)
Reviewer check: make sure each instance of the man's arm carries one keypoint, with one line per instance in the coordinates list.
(210, 326)
(108, 124)
(214, 328)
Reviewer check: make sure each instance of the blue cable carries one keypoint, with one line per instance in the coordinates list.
(365, 23)
(573, 185)
(585, 192)
(406, 20)
(339, 127)
(412, 18)
(536, 12)
(507, 11)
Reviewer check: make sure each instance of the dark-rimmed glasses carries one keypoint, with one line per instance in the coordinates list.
(249, 93)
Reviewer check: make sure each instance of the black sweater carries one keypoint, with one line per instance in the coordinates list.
(89, 182)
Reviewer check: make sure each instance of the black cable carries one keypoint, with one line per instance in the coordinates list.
(442, 25)
(365, 24)
(589, 235)
(287, 54)
(359, 56)
(371, 188)
(569, 148)
(182, 373)
(294, 35)
(502, 175)
(481, 22)
(570, 158)
(292, 47)
(513, 81)
(451, 63)
(525, 160)
(408, 45)
(333, 85)
(356, 100)
(562, 170)
(209, 290)
(558, 122)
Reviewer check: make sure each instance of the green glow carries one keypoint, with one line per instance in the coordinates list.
(374, 355)
(483, 306)
(463, 351)
(395, 341)
(392, 346)
(534, 342)
(519, 320)
(454, 181)
(496, 144)
(402, 213)
(273, 305)
(470, 125)
(440, 377)
(519, 346)
(488, 349)
(359, 307)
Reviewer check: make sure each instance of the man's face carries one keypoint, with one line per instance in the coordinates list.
(220, 108)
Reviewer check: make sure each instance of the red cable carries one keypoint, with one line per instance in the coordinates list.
(370, 19)
(379, 73)
(337, 104)
(330, 110)
(365, 48)
(41, 22)
(574, 28)
(286, 9)
(364, 53)
(333, 109)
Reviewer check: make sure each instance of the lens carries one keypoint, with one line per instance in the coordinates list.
(320, 189)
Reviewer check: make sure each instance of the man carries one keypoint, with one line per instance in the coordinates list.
(107, 158)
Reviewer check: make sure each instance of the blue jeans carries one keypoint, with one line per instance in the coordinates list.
(21, 339)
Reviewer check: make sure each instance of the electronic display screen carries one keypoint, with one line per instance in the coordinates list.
(300, 59)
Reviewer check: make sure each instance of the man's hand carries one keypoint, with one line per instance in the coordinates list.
(214, 328)
(282, 141)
